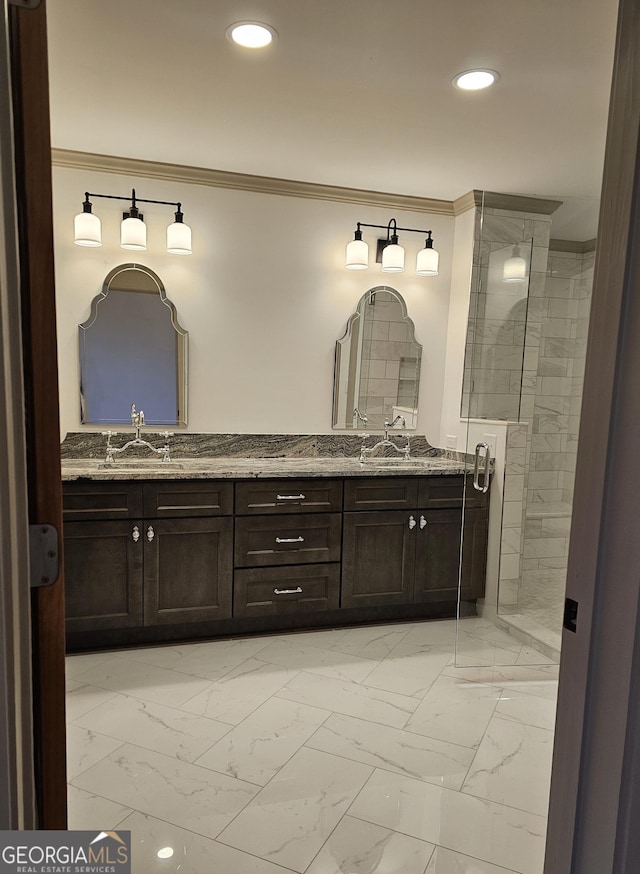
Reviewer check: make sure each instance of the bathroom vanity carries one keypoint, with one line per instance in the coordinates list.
(211, 547)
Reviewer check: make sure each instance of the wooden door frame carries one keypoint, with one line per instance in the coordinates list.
(596, 763)
(17, 798)
(32, 147)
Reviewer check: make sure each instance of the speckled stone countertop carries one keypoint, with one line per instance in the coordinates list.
(251, 456)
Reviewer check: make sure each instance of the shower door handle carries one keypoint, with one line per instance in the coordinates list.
(476, 470)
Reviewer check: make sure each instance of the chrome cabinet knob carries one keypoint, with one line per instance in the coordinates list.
(135, 535)
(423, 523)
(412, 523)
(150, 533)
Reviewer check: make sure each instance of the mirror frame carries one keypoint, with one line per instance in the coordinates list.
(183, 339)
(353, 318)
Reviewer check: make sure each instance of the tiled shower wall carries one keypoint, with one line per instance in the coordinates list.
(556, 413)
(499, 313)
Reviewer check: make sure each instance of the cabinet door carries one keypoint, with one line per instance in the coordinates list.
(103, 575)
(187, 570)
(438, 555)
(378, 559)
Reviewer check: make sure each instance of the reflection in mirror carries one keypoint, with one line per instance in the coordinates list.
(495, 346)
(133, 350)
(377, 372)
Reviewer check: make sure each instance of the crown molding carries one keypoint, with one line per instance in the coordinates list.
(245, 182)
(466, 202)
(511, 202)
(518, 202)
(576, 247)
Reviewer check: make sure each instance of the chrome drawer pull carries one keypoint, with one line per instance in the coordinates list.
(289, 539)
(412, 523)
(290, 497)
(297, 591)
(423, 522)
(135, 535)
(150, 533)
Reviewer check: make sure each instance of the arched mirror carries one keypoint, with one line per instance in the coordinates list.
(133, 350)
(377, 372)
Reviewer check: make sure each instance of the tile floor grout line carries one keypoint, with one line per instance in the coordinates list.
(257, 707)
(484, 733)
(273, 776)
(384, 768)
(426, 737)
(207, 838)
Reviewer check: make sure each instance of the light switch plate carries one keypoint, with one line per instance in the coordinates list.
(452, 441)
(491, 440)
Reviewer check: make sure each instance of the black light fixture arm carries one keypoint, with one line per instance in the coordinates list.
(133, 199)
(387, 228)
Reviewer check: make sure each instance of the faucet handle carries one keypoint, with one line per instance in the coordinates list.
(364, 435)
(165, 434)
(109, 433)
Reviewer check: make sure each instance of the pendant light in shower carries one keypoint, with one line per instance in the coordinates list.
(515, 267)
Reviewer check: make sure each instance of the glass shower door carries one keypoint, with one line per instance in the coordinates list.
(499, 379)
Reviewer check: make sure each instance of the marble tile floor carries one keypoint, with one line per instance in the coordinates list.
(344, 751)
(538, 616)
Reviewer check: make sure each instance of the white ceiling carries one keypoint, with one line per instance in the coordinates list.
(351, 94)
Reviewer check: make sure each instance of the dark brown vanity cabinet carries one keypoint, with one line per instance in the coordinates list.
(166, 560)
(288, 547)
(393, 556)
(148, 569)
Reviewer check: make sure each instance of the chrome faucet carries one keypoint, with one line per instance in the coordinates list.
(137, 420)
(357, 415)
(365, 451)
(388, 425)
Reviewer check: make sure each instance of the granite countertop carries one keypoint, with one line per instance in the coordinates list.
(253, 468)
(251, 456)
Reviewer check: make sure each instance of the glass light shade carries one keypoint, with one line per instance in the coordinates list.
(393, 258)
(133, 234)
(427, 262)
(179, 239)
(87, 230)
(515, 269)
(357, 257)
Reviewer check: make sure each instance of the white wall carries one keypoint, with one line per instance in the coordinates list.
(264, 297)
(458, 317)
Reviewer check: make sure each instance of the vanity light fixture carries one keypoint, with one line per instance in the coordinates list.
(515, 267)
(133, 231)
(357, 254)
(475, 80)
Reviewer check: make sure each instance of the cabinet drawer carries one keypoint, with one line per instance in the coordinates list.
(288, 496)
(282, 590)
(177, 499)
(290, 539)
(101, 500)
(446, 491)
(381, 493)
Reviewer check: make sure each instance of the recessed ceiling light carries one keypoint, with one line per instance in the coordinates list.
(475, 80)
(251, 34)
(165, 853)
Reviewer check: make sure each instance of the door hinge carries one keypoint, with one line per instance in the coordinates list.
(570, 621)
(25, 4)
(43, 555)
